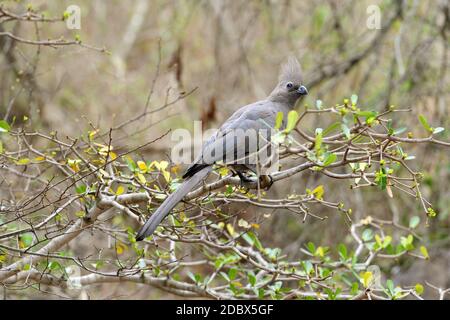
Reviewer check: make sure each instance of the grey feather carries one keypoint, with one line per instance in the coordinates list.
(171, 201)
(225, 145)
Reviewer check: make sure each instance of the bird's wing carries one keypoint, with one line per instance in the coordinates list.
(228, 142)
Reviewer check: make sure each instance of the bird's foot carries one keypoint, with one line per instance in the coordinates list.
(244, 180)
(265, 182)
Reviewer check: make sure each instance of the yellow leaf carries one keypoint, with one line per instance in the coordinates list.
(230, 229)
(318, 192)
(120, 190)
(92, 134)
(23, 161)
(424, 252)
(141, 178)
(163, 165)
(419, 289)
(378, 240)
(175, 169)
(223, 171)
(142, 166)
(120, 248)
(166, 175)
(221, 225)
(39, 159)
(366, 278)
(113, 155)
(320, 252)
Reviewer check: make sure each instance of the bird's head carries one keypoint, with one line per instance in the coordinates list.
(290, 86)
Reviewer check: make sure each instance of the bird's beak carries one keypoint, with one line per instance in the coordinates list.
(302, 90)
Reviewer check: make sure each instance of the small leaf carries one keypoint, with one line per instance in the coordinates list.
(366, 278)
(120, 190)
(25, 240)
(438, 130)
(424, 123)
(80, 214)
(141, 178)
(130, 163)
(419, 289)
(4, 126)
(23, 161)
(292, 121)
(142, 166)
(331, 128)
(342, 251)
(354, 99)
(279, 120)
(230, 229)
(318, 192)
(120, 248)
(414, 222)
(329, 159)
(390, 287)
(424, 252)
(232, 273)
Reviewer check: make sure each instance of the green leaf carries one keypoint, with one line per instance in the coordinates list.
(80, 214)
(331, 128)
(130, 163)
(1, 147)
(355, 287)
(251, 278)
(424, 252)
(419, 289)
(424, 123)
(331, 157)
(292, 121)
(23, 161)
(438, 130)
(414, 222)
(25, 240)
(252, 239)
(390, 287)
(307, 266)
(81, 189)
(342, 251)
(4, 126)
(232, 273)
(311, 247)
(279, 120)
(354, 99)
(367, 114)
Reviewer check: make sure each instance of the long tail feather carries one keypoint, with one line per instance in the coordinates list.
(171, 201)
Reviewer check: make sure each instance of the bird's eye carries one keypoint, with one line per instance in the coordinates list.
(289, 85)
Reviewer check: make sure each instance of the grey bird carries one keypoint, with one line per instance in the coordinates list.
(227, 146)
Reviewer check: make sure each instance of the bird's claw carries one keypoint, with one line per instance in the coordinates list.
(265, 182)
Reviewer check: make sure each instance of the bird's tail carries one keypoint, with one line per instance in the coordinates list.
(171, 201)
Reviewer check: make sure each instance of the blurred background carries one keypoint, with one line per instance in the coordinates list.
(230, 52)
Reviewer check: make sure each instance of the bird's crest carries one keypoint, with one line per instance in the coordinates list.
(291, 71)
